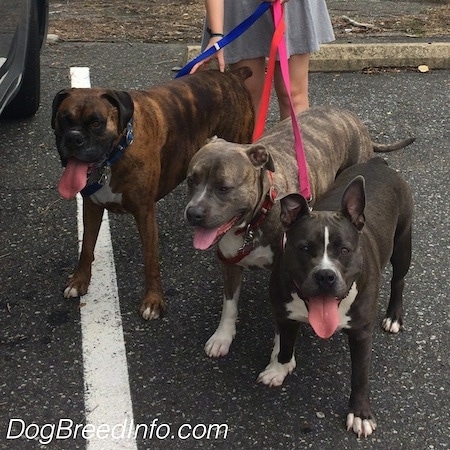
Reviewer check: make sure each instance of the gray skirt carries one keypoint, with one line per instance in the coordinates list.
(308, 25)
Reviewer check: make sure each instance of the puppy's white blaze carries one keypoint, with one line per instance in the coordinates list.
(298, 311)
(326, 262)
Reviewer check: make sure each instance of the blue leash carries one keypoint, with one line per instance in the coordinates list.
(231, 36)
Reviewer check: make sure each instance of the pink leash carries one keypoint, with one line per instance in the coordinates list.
(279, 43)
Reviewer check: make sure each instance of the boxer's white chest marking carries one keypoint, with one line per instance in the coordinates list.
(105, 195)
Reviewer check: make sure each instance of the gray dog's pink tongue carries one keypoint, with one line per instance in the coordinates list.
(204, 238)
(323, 315)
(73, 179)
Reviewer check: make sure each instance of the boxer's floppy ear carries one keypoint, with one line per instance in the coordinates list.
(354, 201)
(123, 102)
(260, 157)
(59, 97)
(293, 206)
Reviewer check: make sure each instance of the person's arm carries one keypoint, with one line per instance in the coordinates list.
(215, 18)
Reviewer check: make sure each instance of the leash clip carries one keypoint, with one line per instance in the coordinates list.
(104, 176)
(129, 133)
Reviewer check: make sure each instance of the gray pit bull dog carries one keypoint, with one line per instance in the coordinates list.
(329, 271)
(232, 190)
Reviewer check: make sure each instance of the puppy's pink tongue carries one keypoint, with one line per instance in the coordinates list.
(323, 315)
(204, 238)
(73, 179)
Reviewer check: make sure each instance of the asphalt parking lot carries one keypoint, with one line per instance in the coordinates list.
(171, 379)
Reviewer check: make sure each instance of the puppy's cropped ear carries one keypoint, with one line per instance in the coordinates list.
(57, 100)
(123, 102)
(260, 157)
(354, 201)
(293, 206)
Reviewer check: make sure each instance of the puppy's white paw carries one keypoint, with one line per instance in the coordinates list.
(392, 326)
(71, 292)
(275, 373)
(361, 427)
(219, 344)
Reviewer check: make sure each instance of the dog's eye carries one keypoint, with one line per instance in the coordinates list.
(96, 124)
(224, 189)
(344, 251)
(304, 248)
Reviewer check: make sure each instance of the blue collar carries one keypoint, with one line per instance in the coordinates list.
(100, 174)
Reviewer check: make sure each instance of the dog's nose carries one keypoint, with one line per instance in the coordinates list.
(325, 278)
(195, 215)
(75, 139)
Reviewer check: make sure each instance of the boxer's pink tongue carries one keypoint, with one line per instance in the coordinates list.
(73, 179)
(204, 238)
(323, 315)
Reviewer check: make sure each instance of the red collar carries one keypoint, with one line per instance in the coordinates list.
(247, 246)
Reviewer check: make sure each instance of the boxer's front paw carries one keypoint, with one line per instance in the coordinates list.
(77, 286)
(391, 325)
(152, 307)
(219, 343)
(275, 373)
(360, 426)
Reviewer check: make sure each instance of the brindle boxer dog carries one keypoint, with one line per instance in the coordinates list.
(124, 150)
(232, 189)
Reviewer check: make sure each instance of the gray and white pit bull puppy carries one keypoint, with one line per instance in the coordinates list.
(329, 270)
(232, 188)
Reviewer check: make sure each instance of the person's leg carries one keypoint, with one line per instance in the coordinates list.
(256, 82)
(298, 74)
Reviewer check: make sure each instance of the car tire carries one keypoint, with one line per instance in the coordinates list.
(26, 102)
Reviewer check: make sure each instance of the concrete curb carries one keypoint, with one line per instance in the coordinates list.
(355, 57)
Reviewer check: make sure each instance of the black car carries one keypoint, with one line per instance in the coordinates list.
(23, 29)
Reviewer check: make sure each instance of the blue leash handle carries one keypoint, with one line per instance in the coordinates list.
(231, 36)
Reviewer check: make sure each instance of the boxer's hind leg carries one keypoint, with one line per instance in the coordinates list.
(92, 219)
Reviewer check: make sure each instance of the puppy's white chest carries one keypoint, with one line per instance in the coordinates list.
(298, 311)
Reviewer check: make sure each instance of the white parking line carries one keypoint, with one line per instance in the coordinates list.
(106, 385)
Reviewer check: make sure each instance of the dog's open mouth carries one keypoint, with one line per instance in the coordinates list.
(74, 178)
(323, 315)
(205, 238)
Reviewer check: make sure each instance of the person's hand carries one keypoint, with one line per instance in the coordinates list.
(218, 55)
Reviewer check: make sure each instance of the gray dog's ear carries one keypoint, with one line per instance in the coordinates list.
(293, 206)
(58, 99)
(260, 157)
(354, 201)
(123, 102)
(211, 139)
